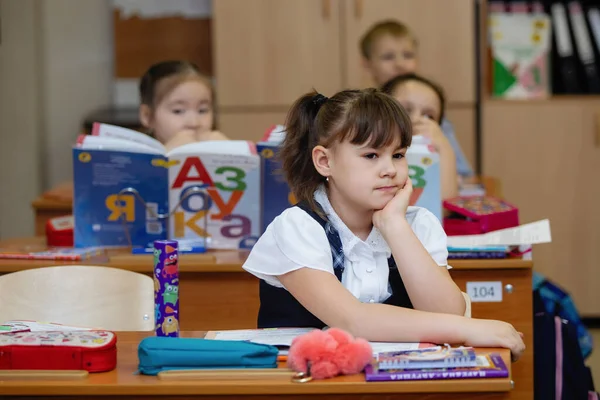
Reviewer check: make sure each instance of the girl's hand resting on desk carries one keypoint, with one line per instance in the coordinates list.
(395, 208)
(492, 333)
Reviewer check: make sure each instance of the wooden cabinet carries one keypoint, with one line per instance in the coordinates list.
(547, 156)
(444, 29)
(269, 52)
(514, 307)
(249, 125)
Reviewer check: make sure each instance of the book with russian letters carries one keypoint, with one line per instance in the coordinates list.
(488, 366)
(129, 191)
(432, 357)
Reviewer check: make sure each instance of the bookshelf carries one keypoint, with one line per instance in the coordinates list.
(546, 153)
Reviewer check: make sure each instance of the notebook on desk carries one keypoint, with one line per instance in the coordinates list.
(488, 366)
(282, 339)
(52, 253)
(36, 326)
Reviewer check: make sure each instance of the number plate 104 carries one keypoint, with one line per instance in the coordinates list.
(480, 292)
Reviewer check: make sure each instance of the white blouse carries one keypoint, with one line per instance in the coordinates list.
(296, 240)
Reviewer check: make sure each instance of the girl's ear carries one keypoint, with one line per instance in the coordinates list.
(146, 116)
(321, 158)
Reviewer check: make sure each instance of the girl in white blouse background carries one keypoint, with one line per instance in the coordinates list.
(343, 158)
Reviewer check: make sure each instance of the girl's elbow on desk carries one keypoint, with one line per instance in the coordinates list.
(458, 304)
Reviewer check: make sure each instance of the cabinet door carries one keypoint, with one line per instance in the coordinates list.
(249, 125)
(546, 155)
(514, 307)
(269, 52)
(444, 29)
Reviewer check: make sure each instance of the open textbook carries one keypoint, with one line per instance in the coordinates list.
(129, 191)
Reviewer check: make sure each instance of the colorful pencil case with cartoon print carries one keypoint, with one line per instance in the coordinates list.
(93, 351)
(160, 353)
(471, 215)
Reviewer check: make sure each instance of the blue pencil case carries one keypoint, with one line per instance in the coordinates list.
(158, 354)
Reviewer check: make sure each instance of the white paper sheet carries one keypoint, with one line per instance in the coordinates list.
(527, 234)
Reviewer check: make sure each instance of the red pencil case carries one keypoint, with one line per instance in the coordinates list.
(59, 231)
(473, 215)
(93, 351)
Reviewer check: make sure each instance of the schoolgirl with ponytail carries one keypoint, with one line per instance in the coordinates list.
(352, 254)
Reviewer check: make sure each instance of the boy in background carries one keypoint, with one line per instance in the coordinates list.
(389, 49)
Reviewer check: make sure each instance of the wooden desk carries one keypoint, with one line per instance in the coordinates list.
(206, 282)
(46, 208)
(122, 383)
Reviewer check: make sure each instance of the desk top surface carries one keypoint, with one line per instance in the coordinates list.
(124, 381)
(213, 261)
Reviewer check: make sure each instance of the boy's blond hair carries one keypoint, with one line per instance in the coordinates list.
(387, 27)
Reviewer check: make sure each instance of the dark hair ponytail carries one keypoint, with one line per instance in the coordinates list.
(296, 151)
(358, 116)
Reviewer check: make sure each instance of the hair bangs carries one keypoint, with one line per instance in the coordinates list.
(377, 121)
(168, 84)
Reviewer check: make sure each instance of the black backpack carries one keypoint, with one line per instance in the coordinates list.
(559, 369)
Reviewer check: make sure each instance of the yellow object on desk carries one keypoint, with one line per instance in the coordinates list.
(228, 374)
(40, 374)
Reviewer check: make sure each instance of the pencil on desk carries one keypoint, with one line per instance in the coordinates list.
(227, 374)
(38, 374)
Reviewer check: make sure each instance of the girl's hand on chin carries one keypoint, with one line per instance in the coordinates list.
(395, 209)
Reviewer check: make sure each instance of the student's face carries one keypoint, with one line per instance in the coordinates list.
(367, 177)
(187, 107)
(391, 56)
(419, 100)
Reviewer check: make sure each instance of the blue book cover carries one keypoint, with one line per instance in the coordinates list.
(207, 191)
(101, 215)
(275, 192)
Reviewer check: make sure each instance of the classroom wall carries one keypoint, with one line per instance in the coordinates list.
(20, 174)
(55, 66)
(77, 74)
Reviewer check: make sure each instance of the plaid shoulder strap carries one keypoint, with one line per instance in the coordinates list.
(337, 253)
(396, 287)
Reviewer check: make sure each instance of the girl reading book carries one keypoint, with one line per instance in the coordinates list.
(177, 104)
(352, 254)
(425, 103)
